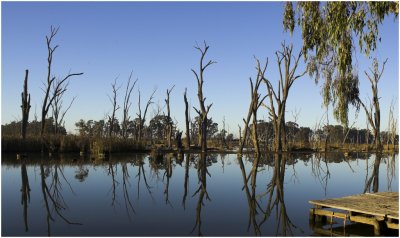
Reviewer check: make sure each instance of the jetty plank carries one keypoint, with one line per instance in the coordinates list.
(384, 204)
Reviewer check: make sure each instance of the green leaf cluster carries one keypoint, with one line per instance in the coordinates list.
(328, 33)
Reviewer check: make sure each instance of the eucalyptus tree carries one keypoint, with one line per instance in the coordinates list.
(203, 111)
(329, 32)
(211, 127)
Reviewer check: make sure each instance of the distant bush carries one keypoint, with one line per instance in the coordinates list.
(15, 144)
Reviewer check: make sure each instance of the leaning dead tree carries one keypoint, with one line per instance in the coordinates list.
(278, 96)
(48, 85)
(187, 119)
(127, 105)
(113, 101)
(25, 106)
(255, 104)
(374, 112)
(142, 117)
(203, 111)
(169, 125)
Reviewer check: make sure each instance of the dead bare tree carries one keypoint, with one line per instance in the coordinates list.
(255, 104)
(203, 111)
(223, 134)
(169, 125)
(59, 85)
(279, 95)
(113, 101)
(56, 106)
(187, 119)
(240, 134)
(392, 126)
(25, 106)
(374, 114)
(142, 118)
(127, 105)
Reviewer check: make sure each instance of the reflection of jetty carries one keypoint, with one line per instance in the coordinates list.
(378, 209)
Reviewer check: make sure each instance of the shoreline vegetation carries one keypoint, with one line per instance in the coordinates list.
(102, 146)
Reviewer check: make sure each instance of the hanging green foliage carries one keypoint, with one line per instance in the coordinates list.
(329, 31)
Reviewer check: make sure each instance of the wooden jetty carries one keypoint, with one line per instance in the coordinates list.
(378, 209)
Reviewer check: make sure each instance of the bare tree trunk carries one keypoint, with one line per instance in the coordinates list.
(392, 126)
(374, 114)
(253, 108)
(187, 120)
(113, 101)
(169, 125)
(203, 112)
(25, 106)
(142, 118)
(246, 126)
(127, 105)
(286, 80)
(224, 134)
(48, 100)
(240, 135)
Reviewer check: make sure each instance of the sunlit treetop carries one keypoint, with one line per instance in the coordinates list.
(329, 32)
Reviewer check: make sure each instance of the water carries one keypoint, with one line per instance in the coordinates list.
(132, 195)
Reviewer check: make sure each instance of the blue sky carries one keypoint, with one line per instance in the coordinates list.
(155, 40)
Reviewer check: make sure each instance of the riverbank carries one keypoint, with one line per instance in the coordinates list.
(83, 145)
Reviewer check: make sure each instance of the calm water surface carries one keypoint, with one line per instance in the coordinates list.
(133, 195)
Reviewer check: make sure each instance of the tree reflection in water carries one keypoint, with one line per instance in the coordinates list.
(114, 182)
(140, 163)
(318, 170)
(125, 182)
(391, 170)
(274, 195)
(25, 193)
(254, 206)
(186, 183)
(52, 195)
(267, 212)
(167, 174)
(202, 190)
(372, 184)
(126, 185)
